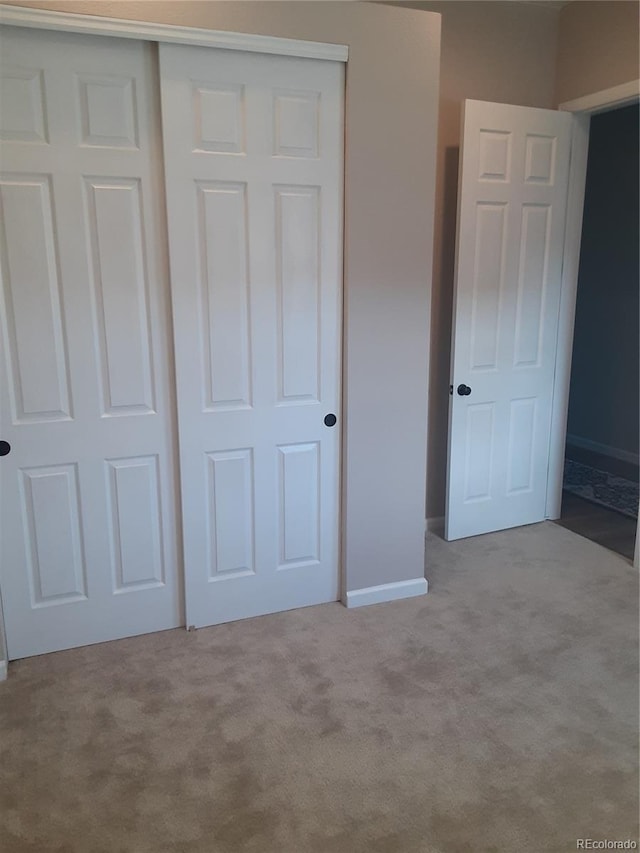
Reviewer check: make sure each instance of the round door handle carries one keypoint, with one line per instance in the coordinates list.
(330, 420)
(464, 390)
(5, 448)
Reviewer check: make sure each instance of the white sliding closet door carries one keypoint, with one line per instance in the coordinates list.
(253, 163)
(88, 512)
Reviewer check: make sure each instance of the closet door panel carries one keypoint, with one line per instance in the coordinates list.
(89, 513)
(253, 164)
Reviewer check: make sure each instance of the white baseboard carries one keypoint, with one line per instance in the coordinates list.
(435, 524)
(387, 592)
(3, 670)
(604, 449)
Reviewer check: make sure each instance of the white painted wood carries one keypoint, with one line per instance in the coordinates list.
(148, 31)
(387, 592)
(89, 510)
(3, 636)
(253, 156)
(512, 202)
(604, 100)
(604, 449)
(566, 319)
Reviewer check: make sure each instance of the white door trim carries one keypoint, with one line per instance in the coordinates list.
(145, 31)
(568, 291)
(583, 108)
(606, 99)
(387, 592)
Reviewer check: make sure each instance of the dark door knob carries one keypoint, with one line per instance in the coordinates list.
(330, 420)
(464, 390)
(5, 448)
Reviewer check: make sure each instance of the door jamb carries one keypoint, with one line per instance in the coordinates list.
(582, 108)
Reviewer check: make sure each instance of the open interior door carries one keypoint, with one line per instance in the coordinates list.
(512, 198)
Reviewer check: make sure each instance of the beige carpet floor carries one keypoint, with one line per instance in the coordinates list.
(498, 713)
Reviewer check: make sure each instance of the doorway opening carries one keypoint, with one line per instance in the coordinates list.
(600, 480)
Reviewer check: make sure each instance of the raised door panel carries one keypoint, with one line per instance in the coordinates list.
(480, 440)
(298, 288)
(219, 122)
(299, 504)
(296, 124)
(230, 513)
(224, 294)
(532, 278)
(521, 446)
(51, 526)
(540, 159)
(32, 302)
(108, 113)
(120, 292)
(488, 275)
(494, 155)
(23, 115)
(133, 486)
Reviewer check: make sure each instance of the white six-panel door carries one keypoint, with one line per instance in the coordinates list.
(511, 217)
(88, 499)
(253, 159)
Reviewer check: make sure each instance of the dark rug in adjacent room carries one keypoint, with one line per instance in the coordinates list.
(602, 488)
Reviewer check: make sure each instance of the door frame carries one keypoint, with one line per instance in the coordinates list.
(45, 19)
(582, 108)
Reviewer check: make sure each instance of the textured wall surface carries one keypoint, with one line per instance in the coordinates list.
(597, 47)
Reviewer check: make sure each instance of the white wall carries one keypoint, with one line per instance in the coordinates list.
(597, 47)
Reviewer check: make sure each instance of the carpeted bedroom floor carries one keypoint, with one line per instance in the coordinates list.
(498, 713)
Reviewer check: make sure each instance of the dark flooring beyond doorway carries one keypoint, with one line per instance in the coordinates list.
(618, 467)
(608, 528)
